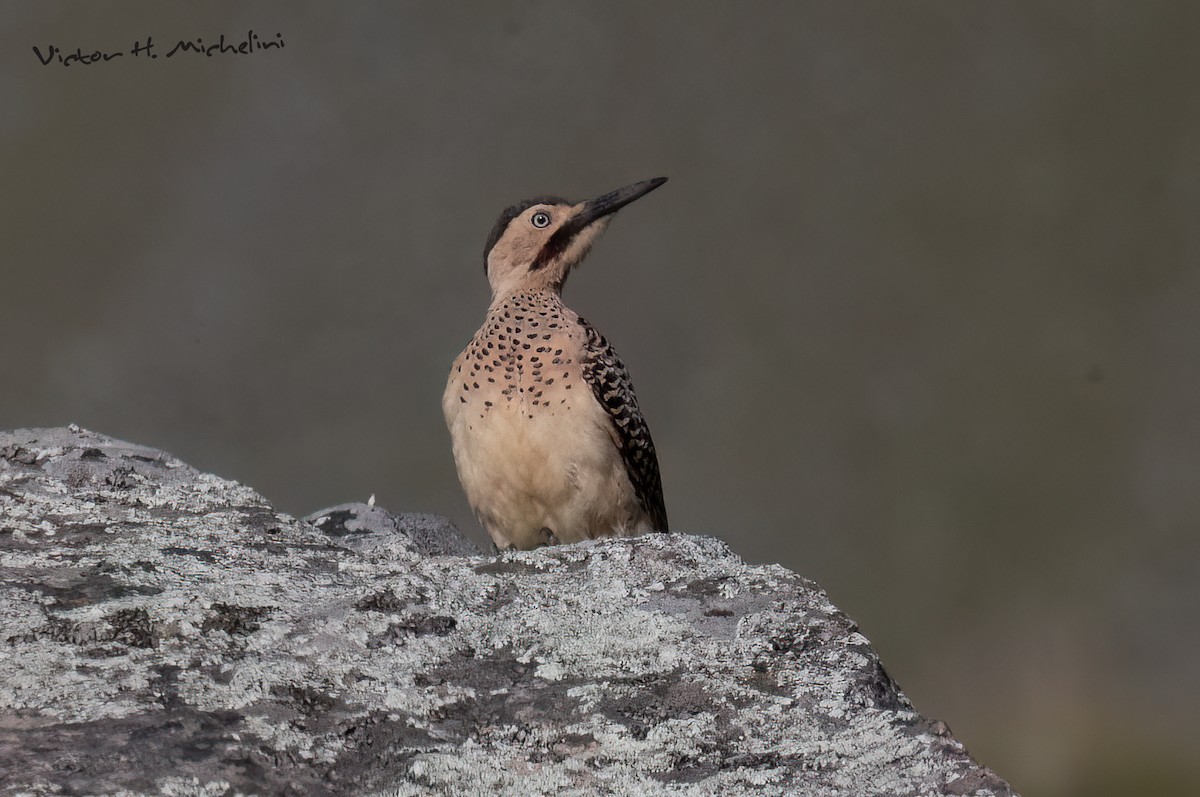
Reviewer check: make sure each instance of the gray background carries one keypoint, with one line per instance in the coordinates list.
(916, 315)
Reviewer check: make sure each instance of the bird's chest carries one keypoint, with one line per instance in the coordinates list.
(524, 360)
(520, 411)
(514, 375)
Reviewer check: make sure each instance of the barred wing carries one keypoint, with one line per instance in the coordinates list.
(606, 375)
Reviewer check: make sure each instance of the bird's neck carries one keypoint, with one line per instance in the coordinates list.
(527, 297)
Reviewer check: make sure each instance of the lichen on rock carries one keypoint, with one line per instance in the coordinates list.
(169, 632)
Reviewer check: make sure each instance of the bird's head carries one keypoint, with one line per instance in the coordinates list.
(536, 243)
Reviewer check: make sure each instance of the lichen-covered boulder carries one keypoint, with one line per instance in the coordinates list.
(165, 631)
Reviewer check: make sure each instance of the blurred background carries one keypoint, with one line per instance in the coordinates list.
(918, 314)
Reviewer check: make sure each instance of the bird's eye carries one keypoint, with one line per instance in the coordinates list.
(541, 219)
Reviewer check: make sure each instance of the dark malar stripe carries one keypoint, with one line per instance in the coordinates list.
(511, 213)
(554, 247)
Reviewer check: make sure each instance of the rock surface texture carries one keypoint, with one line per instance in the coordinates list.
(165, 631)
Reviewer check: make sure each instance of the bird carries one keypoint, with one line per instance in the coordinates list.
(549, 443)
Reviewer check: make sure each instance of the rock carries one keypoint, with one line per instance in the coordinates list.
(362, 526)
(166, 631)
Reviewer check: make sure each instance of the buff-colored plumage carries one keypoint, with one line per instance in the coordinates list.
(548, 439)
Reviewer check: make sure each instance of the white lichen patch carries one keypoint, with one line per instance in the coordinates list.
(240, 650)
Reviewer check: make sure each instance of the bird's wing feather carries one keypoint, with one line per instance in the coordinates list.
(609, 380)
